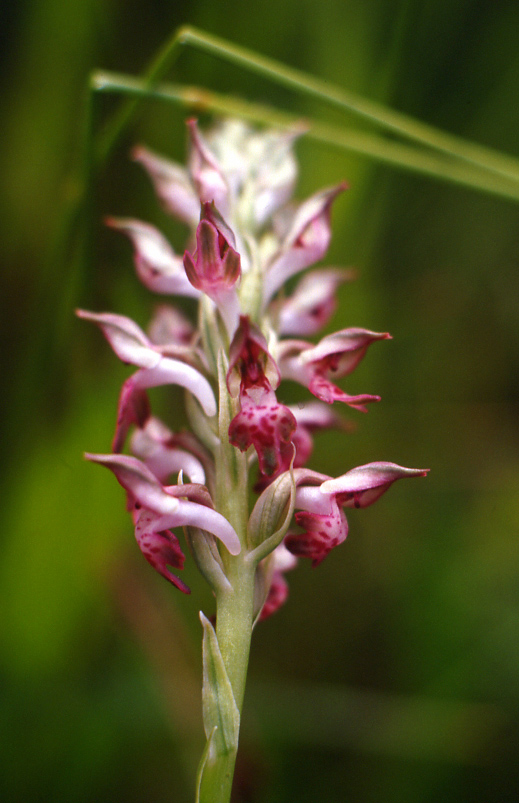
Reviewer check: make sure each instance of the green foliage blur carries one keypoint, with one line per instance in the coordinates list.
(392, 674)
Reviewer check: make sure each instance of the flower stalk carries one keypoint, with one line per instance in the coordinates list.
(245, 242)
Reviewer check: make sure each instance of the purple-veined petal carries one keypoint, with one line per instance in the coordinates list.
(306, 242)
(320, 506)
(215, 268)
(172, 185)
(215, 264)
(125, 337)
(338, 354)
(139, 481)
(155, 445)
(250, 363)
(157, 265)
(144, 488)
(328, 392)
(335, 356)
(313, 302)
(132, 346)
(169, 325)
(208, 178)
(166, 372)
(363, 485)
(175, 372)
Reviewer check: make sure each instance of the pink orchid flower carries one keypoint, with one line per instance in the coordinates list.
(161, 451)
(173, 185)
(157, 509)
(132, 346)
(312, 303)
(157, 265)
(282, 561)
(215, 268)
(336, 355)
(320, 504)
(262, 421)
(306, 241)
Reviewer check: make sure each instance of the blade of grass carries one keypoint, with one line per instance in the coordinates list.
(382, 116)
(386, 151)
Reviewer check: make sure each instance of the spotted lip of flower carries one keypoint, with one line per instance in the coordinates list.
(321, 515)
(156, 509)
(262, 420)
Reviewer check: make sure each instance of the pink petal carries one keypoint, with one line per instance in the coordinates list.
(216, 265)
(154, 444)
(146, 490)
(250, 363)
(172, 185)
(325, 525)
(215, 269)
(157, 265)
(125, 337)
(170, 325)
(195, 515)
(133, 409)
(281, 561)
(339, 354)
(208, 178)
(139, 481)
(175, 372)
(306, 242)
(313, 302)
(363, 485)
(334, 356)
(328, 392)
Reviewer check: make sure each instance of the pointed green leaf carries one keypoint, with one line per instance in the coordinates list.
(218, 704)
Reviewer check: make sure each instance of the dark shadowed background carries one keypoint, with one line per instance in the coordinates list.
(392, 674)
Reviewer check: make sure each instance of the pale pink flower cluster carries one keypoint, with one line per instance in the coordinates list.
(246, 239)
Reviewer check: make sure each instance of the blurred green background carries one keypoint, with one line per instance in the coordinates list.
(393, 672)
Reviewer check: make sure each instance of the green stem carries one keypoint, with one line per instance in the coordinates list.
(234, 618)
(235, 600)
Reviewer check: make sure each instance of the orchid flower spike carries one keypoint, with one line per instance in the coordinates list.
(246, 239)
